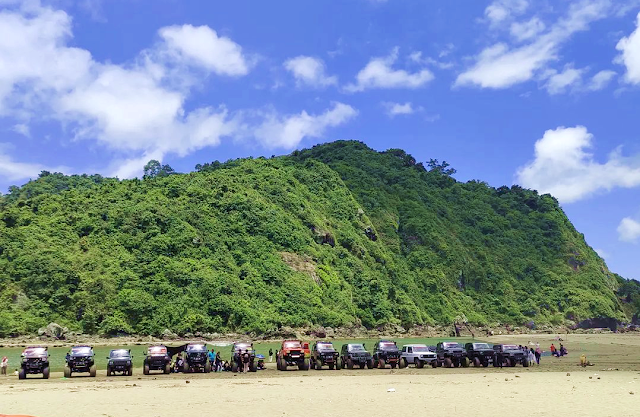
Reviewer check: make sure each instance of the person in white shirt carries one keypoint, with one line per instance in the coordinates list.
(4, 365)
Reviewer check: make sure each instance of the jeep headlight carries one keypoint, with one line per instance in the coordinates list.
(110, 363)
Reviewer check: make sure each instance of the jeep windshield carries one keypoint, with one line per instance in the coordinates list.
(157, 350)
(481, 346)
(81, 351)
(324, 346)
(196, 348)
(420, 349)
(509, 347)
(243, 346)
(292, 345)
(38, 351)
(388, 346)
(120, 353)
(356, 348)
(451, 345)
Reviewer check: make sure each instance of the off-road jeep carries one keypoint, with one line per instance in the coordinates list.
(451, 354)
(237, 350)
(417, 355)
(120, 360)
(510, 355)
(323, 354)
(386, 352)
(35, 360)
(80, 359)
(156, 358)
(480, 354)
(291, 353)
(355, 354)
(196, 358)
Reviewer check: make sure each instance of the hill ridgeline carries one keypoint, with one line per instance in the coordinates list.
(336, 235)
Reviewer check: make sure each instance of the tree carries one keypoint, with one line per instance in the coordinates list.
(443, 168)
(153, 169)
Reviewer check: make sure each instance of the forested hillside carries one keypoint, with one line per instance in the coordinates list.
(335, 235)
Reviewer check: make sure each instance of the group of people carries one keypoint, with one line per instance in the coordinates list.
(558, 352)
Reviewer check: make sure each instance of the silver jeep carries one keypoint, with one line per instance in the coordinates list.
(417, 355)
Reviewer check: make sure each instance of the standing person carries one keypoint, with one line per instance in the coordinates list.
(212, 359)
(218, 362)
(245, 361)
(532, 356)
(270, 355)
(538, 354)
(552, 348)
(4, 365)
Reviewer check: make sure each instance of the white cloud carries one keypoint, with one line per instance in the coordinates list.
(11, 170)
(419, 59)
(630, 55)
(500, 66)
(288, 131)
(133, 109)
(563, 167)
(501, 10)
(310, 71)
(22, 129)
(395, 109)
(559, 82)
(602, 253)
(378, 73)
(601, 80)
(202, 46)
(524, 31)
(629, 230)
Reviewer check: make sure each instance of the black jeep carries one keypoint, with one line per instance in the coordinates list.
(480, 354)
(451, 354)
(120, 360)
(196, 358)
(323, 354)
(386, 352)
(35, 360)
(510, 355)
(80, 359)
(237, 350)
(156, 358)
(355, 354)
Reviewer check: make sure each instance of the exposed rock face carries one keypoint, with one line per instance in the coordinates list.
(603, 322)
(168, 334)
(53, 330)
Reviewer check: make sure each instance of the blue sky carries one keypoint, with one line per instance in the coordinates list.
(544, 94)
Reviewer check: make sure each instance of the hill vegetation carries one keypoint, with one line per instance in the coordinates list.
(335, 235)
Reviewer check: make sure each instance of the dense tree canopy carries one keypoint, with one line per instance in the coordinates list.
(335, 235)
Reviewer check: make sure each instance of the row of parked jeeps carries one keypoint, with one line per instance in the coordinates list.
(296, 353)
(81, 359)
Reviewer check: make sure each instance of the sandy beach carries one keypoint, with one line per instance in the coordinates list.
(330, 394)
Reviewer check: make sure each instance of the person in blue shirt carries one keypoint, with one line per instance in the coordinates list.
(212, 358)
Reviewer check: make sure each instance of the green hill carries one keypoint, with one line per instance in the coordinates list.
(335, 235)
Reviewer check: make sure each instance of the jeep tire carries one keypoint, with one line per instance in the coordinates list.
(108, 371)
(419, 364)
(370, 363)
(167, 368)
(207, 367)
(145, 369)
(67, 371)
(476, 362)
(22, 374)
(93, 370)
(464, 362)
(130, 371)
(350, 363)
(234, 367)
(45, 372)
(448, 363)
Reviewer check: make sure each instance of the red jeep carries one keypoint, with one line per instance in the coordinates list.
(292, 353)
